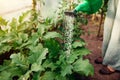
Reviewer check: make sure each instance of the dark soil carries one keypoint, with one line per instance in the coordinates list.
(94, 44)
(5, 56)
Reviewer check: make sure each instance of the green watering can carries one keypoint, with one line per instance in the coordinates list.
(87, 6)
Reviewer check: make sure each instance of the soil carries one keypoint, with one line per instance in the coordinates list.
(94, 44)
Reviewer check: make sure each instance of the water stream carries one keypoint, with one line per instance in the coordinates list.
(68, 34)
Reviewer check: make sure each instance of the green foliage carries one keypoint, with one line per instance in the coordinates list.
(78, 44)
(52, 35)
(86, 68)
(53, 47)
(3, 22)
(4, 75)
(48, 76)
(37, 53)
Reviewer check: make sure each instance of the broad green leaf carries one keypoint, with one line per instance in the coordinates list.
(12, 70)
(83, 67)
(53, 47)
(5, 66)
(66, 69)
(38, 56)
(16, 71)
(13, 24)
(4, 75)
(31, 44)
(3, 22)
(23, 36)
(81, 51)
(27, 45)
(19, 60)
(36, 49)
(62, 58)
(72, 58)
(5, 48)
(36, 67)
(2, 33)
(24, 16)
(48, 21)
(6, 39)
(49, 64)
(78, 44)
(42, 56)
(34, 38)
(36, 75)
(49, 35)
(23, 26)
(17, 42)
(48, 76)
(6, 62)
(25, 76)
(41, 29)
(59, 77)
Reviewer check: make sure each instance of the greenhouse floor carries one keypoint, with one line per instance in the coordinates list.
(94, 44)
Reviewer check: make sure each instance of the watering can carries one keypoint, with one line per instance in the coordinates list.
(87, 6)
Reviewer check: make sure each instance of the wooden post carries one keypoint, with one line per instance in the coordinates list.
(34, 4)
(100, 24)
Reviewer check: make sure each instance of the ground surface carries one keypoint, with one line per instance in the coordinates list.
(94, 44)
